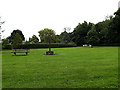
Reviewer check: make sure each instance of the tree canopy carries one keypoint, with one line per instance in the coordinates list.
(47, 35)
(114, 33)
(80, 33)
(14, 33)
(17, 40)
(34, 39)
(65, 37)
(1, 22)
(92, 36)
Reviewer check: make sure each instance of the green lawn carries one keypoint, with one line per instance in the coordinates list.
(78, 67)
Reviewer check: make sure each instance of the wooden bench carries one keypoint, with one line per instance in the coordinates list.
(26, 51)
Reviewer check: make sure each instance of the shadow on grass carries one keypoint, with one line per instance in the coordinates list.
(19, 55)
(49, 55)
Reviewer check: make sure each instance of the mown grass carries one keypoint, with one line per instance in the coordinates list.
(78, 67)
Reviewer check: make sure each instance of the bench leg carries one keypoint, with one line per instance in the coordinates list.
(26, 53)
(15, 53)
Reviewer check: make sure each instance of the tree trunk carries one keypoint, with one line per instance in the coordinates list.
(49, 47)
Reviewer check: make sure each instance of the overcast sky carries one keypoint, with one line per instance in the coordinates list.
(30, 16)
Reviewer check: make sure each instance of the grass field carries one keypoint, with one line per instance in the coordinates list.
(78, 67)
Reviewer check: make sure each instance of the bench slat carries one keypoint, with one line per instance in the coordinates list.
(20, 51)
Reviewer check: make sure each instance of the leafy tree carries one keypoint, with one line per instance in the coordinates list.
(27, 42)
(65, 37)
(92, 36)
(102, 29)
(17, 40)
(5, 41)
(34, 39)
(47, 36)
(1, 29)
(114, 29)
(67, 29)
(14, 33)
(57, 39)
(80, 32)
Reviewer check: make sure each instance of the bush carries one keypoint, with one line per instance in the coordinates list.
(41, 45)
(6, 47)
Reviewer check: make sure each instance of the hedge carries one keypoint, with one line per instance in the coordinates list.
(109, 44)
(53, 45)
(41, 45)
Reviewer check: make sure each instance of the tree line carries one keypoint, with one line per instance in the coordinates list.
(103, 33)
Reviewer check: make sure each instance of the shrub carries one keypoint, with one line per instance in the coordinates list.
(41, 45)
(6, 47)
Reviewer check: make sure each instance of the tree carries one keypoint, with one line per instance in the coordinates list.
(92, 36)
(17, 40)
(0, 26)
(57, 39)
(67, 29)
(47, 36)
(34, 39)
(5, 41)
(102, 29)
(1, 29)
(65, 37)
(14, 33)
(80, 32)
(114, 29)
